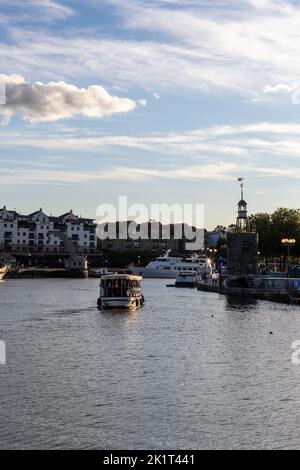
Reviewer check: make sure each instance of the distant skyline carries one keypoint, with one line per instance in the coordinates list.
(164, 101)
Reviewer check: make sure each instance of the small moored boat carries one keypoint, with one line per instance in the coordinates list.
(185, 280)
(120, 291)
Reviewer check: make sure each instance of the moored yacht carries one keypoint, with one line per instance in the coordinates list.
(3, 271)
(167, 267)
(185, 280)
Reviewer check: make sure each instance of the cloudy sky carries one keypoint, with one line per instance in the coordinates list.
(165, 101)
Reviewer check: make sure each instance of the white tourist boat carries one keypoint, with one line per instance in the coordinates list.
(120, 291)
(169, 267)
(3, 272)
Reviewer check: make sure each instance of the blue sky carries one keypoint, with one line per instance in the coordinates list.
(165, 101)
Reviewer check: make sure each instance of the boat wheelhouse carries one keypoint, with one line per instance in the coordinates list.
(120, 291)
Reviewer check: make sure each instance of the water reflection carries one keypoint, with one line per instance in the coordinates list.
(190, 369)
(240, 302)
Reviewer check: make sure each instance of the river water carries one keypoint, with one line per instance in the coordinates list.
(190, 370)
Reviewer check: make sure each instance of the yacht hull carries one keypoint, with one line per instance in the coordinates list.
(155, 274)
(3, 272)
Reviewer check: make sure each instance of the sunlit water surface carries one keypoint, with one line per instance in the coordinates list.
(188, 371)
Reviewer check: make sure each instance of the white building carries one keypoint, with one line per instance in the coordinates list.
(40, 233)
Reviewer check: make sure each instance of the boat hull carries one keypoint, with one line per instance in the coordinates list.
(191, 285)
(152, 274)
(158, 273)
(131, 303)
(3, 272)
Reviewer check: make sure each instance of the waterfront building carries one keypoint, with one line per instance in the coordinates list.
(42, 233)
(242, 246)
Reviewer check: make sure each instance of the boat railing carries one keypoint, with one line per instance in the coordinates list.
(120, 291)
(291, 285)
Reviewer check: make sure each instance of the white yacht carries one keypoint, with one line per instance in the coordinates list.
(3, 271)
(169, 267)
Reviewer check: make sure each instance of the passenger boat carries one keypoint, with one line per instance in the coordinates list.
(185, 280)
(168, 267)
(3, 272)
(120, 291)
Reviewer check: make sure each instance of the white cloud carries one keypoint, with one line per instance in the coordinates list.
(32, 9)
(142, 102)
(261, 149)
(280, 88)
(222, 171)
(230, 46)
(58, 100)
(272, 141)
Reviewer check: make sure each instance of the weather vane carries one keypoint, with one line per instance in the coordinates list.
(241, 180)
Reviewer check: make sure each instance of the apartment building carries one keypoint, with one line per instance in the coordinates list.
(42, 233)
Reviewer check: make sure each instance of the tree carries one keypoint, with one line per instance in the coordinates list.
(220, 228)
(222, 247)
(233, 228)
(285, 224)
(261, 223)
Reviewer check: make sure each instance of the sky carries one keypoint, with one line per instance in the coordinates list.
(165, 101)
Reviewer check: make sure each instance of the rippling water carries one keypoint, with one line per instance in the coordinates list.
(189, 370)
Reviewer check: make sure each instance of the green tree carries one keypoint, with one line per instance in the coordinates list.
(285, 224)
(233, 228)
(220, 228)
(261, 223)
(222, 247)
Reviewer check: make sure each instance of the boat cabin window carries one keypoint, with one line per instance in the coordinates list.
(119, 287)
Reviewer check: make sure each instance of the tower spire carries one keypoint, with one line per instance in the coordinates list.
(242, 218)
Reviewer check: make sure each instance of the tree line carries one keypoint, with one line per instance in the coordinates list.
(272, 229)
